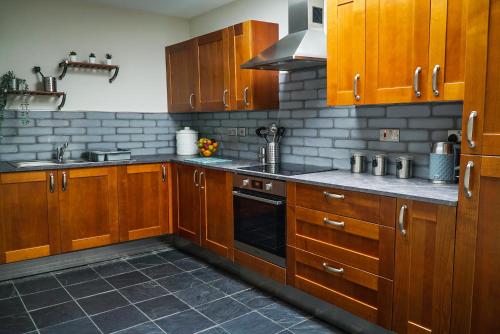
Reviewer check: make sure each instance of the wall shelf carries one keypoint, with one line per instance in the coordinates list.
(75, 64)
(41, 93)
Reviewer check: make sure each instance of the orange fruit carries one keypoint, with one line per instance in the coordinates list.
(207, 153)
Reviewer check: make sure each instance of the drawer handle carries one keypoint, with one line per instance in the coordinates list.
(401, 221)
(334, 196)
(333, 222)
(332, 270)
(51, 182)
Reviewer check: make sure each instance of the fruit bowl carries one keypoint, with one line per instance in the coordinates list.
(207, 147)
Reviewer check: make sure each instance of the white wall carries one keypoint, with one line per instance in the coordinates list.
(263, 10)
(34, 32)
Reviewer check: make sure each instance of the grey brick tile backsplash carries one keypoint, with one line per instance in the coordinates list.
(316, 133)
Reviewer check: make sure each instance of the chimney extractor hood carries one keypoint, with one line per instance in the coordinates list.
(303, 47)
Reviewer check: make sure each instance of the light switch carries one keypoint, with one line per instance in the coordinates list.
(242, 132)
(389, 135)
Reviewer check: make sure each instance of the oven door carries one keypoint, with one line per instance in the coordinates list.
(260, 225)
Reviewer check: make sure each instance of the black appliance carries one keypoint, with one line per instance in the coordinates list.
(286, 169)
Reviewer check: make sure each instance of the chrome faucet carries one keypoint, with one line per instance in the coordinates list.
(60, 152)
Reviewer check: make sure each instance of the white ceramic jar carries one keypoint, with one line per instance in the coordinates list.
(186, 141)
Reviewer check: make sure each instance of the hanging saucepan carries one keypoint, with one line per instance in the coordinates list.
(49, 83)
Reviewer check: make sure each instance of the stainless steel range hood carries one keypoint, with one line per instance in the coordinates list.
(304, 47)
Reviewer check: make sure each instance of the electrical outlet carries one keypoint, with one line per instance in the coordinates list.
(232, 131)
(389, 135)
(242, 132)
(457, 133)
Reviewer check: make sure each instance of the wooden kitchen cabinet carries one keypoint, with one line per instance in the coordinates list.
(425, 240)
(88, 206)
(187, 202)
(143, 201)
(29, 216)
(182, 77)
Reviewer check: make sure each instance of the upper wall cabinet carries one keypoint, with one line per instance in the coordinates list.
(203, 74)
(405, 51)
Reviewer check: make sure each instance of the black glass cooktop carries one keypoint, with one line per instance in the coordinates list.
(287, 169)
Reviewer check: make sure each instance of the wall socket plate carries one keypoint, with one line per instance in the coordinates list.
(389, 135)
(457, 133)
(232, 131)
(242, 132)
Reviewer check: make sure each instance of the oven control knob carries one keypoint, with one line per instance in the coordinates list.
(268, 186)
(245, 182)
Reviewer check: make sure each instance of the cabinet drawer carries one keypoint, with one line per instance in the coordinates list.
(360, 244)
(341, 202)
(366, 295)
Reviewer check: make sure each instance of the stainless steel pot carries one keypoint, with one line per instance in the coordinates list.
(379, 164)
(49, 84)
(404, 167)
(272, 153)
(358, 162)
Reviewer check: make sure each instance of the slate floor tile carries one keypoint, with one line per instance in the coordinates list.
(162, 306)
(314, 327)
(207, 274)
(223, 310)
(200, 294)
(102, 302)
(36, 284)
(11, 306)
(161, 270)
(16, 324)
(283, 314)
(79, 326)
(89, 288)
(173, 255)
(230, 285)
(253, 298)
(251, 323)
(140, 292)
(112, 268)
(189, 264)
(144, 261)
(45, 298)
(146, 328)
(120, 318)
(214, 330)
(127, 279)
(7, 290)
(186, 322)
(77, 275)
(179, 282)
(56, 314)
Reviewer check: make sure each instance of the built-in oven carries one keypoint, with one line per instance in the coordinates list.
(260, 217)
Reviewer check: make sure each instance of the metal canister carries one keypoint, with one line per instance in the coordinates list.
(272, 153)
(379, 164)
(50, 84)
(358, 162)
(262, 155)
(404, 167)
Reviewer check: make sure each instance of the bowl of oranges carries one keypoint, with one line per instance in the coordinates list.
(207, 147)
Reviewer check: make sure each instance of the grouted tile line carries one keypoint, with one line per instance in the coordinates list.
(26, 309)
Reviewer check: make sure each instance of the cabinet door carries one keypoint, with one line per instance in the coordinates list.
(397, 48)
(423, 267)
(29, 216)
(88, 200)
(213, 60)
(217, 211)
(482, 79)
(476, 292)
(346, 52)
(187, 202)
(182, 77)
(446, 72)
(143, 201)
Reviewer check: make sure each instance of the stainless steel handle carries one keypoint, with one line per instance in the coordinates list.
(51, 182)
(224, 100)
(64, 181)
(470, 129)
(355, 87)
(333, 222)
(401, 221)
(202, 184)
(191, 100)
(164, 173)
(245, 96)
(334, 196)
(256, 198)
(416, 81)
(332, 270)
(468, 169)
(435, 73)
(195, 173)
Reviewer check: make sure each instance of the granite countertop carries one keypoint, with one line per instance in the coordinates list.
(415, 189)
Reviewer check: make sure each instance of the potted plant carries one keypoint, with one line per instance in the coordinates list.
(6, 84)
(108, 58)
(92, 58)
(72, 56)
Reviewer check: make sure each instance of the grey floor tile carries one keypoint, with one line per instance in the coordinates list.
(36, 283)
(56, 314)
(162, 306)
(162, 270)
(146, 328)
(127, 279)
(186, 322)
(143, 291)
(251, 323)
(189, 264)
(314, 327)
(223, 310)
(144, 261)
(214, 330)
(200, 294)
(253, 298)
(179, 282)
(113, 268)
(102, 302)
(207, 274)
(11, 306)
(45, 298)
(77, 275)
(18, 323)
(230, 285)
(283, 314)
(7, 290)
(173, 255)
(79, 326)
(119, 319)
(89, 288)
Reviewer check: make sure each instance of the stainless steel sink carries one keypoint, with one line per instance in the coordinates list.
(44, 163)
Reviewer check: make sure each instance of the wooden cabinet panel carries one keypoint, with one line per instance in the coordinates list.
(397, 39)
(261, 266)
(88, 208)
(217, 211)
(182, 77)
(29, 216)
(143, 201)
(187, 204)
(424, 268)
(346, 52)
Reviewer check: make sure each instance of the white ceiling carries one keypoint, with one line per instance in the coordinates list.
(179, 8)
